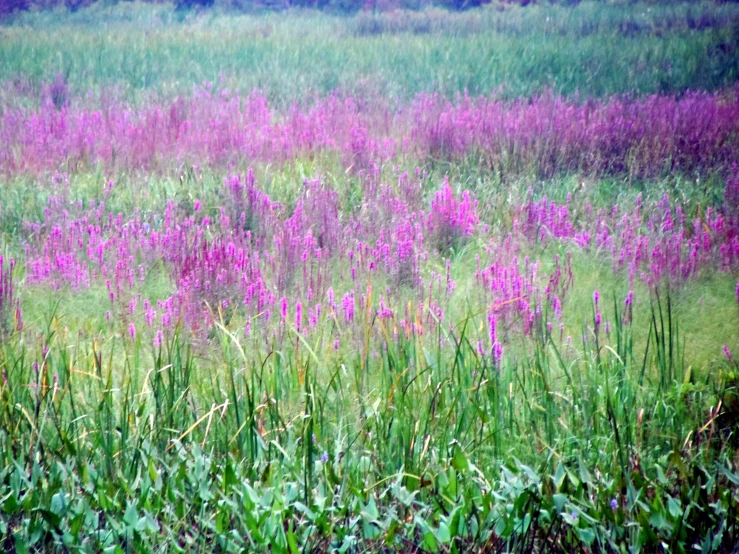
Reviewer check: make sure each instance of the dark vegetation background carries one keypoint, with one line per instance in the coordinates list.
(347, 6)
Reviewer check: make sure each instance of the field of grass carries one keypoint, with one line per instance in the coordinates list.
(395, 282)
(593, 49)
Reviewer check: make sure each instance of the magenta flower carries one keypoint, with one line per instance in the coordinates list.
(497, 353)
(492, 328)
(283, 308)
(629, 298)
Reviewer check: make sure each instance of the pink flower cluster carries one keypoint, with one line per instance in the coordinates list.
(248, 256)
(663, 244)
(546, 134)
(273, 271)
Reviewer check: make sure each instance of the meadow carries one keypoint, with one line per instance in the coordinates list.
(406, 281)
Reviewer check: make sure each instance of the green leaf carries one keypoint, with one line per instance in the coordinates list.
(131, 516)
(586, 535)
(501, 527)
(51, 518)
(731, 476)
(152, 471)
(59, 503)
(460, 461)
(572, 478)
(585, 476)
(430, 542)
(291, 492)
(229, 477)
(302, 508)
(21, 546)
(371, 509)
(348, 542)
(390, 535)
(559, 476)
(530, 473)
(219, 522)
(10, 504)
(673, 506)
(76, 523)
(292, 541)
(442, 534)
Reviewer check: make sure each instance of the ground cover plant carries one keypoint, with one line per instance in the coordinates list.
(264, 287)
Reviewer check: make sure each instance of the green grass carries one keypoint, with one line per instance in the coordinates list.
(115, 445)
(138, 51)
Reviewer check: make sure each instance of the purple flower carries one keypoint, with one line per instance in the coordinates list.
(324, 457)
(493, 329)
(614, 504)
(283, 308)
(347, 304)
(497, 353)
(629, 298)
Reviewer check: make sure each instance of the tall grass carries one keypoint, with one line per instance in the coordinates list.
(112, 443)
(290, 57)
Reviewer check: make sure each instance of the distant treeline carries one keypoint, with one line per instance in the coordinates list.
(10, 6)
